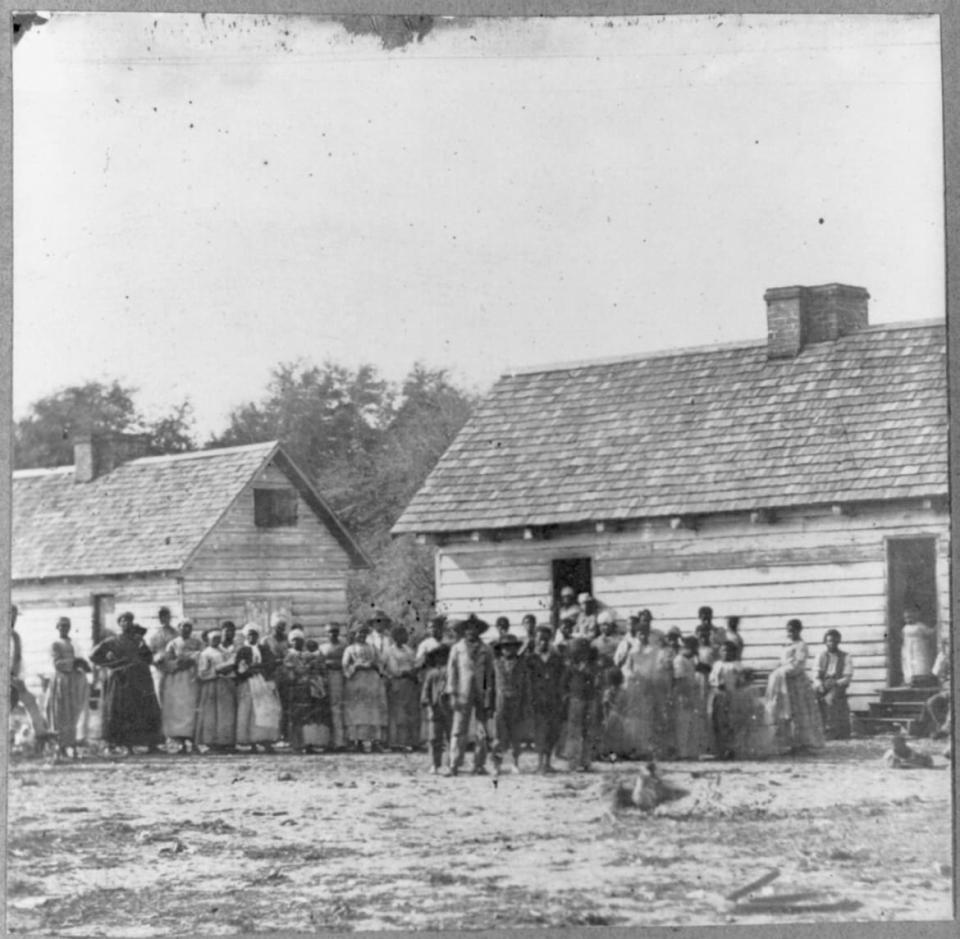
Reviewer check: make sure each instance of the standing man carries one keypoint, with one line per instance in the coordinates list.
(471, 686)
(547, 673)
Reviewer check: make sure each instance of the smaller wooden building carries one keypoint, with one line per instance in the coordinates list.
(800, 476)
(237, 533)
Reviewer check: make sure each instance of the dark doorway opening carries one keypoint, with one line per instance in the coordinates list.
(570, 572)
(911, 581)
(103, 610)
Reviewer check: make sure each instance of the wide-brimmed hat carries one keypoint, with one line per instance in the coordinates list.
(377, 616)
(509, 639)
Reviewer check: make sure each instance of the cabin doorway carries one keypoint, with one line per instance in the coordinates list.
(570, 572)
(911, 581)
(104, 606)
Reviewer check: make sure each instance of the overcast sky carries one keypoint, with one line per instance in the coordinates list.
(197, 200)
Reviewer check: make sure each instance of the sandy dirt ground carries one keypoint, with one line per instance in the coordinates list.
(138, 846)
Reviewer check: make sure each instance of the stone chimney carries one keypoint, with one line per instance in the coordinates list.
(95, 455)
(801, 316)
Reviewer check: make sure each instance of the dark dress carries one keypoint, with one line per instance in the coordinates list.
(546, 698)
(131, 713)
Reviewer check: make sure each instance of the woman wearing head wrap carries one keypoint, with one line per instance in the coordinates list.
(217, 708)
(179, 689)
(331, 650)
(363, 711)
(646, 687)
(258, 705)
(306, 696)
(403, 692)
(791, 703)
(68, 692)
(834, 674)
(131, 712)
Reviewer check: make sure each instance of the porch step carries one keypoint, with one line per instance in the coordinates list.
(867, 726)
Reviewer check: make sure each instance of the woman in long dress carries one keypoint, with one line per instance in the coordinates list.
(131, 712)
(403, 692)
(306, 727)
(790, 700)
(258, 705)
(68, 692)
(644, 691)
(217, 708)
(689, 718)
(362, 700)
(331, 652)
(179, 688)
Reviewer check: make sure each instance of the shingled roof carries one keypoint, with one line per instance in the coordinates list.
(146, 515)
(699, 431)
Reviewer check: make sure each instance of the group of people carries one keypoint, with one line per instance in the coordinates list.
(579, 692)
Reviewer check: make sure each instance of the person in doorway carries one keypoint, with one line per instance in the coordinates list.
(179, 689)
(546, 667)
(471, 684)
(791, 702)
(568, 607)
(917, 650)
(332, 650)
(68, 691)
(131, 711)
(834, 674)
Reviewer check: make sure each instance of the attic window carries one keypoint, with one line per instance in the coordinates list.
(274, 508)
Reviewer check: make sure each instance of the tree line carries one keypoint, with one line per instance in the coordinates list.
(367, 443)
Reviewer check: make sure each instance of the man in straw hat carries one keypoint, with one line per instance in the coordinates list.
(471, 685)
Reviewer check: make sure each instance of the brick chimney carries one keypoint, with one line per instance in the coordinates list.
(801, 316)
(95, 455)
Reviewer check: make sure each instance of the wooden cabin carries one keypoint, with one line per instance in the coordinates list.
(804, 476)
(236, 533)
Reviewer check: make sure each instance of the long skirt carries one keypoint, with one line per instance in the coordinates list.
(180, 693)
(66, 704)
(689, 721)
(640, 718)
(792, 706)
(258, 712)
(363, 711)
(131, 712)
(217, 713)
(403, 695)
(308, 717)
(335, 691)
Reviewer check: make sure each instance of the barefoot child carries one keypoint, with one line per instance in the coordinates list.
(512, 700)
(582, 706)
(546, 669)
(436, 704)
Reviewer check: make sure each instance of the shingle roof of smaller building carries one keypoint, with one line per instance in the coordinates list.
(145, 515)
(697, 432)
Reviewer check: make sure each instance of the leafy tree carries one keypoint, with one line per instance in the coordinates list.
(44, 437)
(369, 446)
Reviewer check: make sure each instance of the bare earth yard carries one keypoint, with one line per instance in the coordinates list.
(224, 844)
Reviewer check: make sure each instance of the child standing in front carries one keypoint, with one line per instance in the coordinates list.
(582, 706)
(512, 700)
(436, 704)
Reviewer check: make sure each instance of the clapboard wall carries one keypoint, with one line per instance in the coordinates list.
(243, 572)
(828, 569)
(41, 604)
